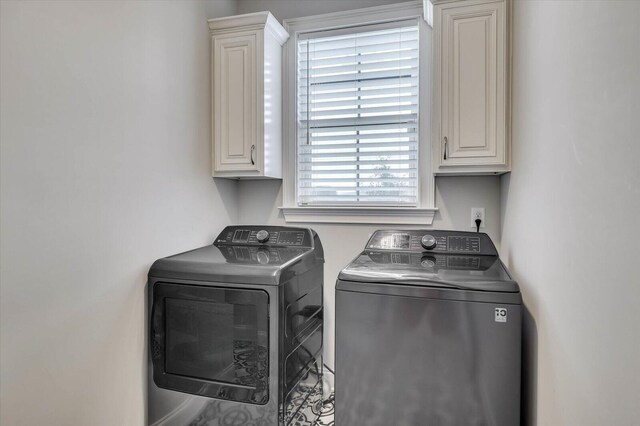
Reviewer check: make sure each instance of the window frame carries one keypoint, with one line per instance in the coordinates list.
(424, 211)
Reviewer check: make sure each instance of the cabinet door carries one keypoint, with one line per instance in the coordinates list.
(473, 84)
(235, 103)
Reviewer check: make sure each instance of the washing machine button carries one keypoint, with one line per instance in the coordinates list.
(262, 236)
(429, 242)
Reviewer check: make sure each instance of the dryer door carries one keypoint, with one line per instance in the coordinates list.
(211, 341)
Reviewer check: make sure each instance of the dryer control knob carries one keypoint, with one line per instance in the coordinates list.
(262, 236)
(429, 242)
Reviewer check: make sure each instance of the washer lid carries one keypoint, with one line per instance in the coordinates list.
(241, 264)
(479, 273)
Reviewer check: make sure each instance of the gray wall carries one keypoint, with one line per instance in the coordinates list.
(571, 208)
(105, 166)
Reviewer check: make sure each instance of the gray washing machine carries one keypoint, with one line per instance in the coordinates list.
(428, 332)
(235, 331)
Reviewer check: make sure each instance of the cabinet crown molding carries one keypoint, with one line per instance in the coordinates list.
(249, 21)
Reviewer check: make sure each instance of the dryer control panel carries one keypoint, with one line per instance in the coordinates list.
(436, 241)
(265, 235)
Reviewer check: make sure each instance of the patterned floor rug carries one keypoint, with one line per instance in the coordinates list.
(213, 415)
(326, 416)
(246, 362)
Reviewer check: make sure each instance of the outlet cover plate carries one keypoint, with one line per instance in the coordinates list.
(477, 213)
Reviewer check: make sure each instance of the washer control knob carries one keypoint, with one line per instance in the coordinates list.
(262, 236)
(429, 242)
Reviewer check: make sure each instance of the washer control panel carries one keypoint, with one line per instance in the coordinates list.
(435, 241)
(265, 235)
(261, 255)
(432, 262)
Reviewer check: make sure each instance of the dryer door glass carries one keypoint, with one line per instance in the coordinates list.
(211, 341)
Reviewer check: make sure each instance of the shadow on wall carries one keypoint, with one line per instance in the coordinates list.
(529, 392)
(228, 190)
(529, 387)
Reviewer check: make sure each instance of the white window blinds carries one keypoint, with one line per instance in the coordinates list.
(357, 113)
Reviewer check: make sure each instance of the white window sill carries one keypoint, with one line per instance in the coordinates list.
(370, 215)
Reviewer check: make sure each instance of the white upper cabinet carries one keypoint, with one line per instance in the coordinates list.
(471, 87)
(246, 91)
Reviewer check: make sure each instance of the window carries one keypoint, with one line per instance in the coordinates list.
(356, 110)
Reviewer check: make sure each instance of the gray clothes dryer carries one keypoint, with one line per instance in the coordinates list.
(235, 330)
(428, 332)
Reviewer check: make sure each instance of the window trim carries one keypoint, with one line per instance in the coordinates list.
(424, 212)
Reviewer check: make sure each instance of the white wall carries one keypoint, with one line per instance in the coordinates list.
(105, 166)
(571, 208)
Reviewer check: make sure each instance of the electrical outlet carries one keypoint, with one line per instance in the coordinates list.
(477, 213)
